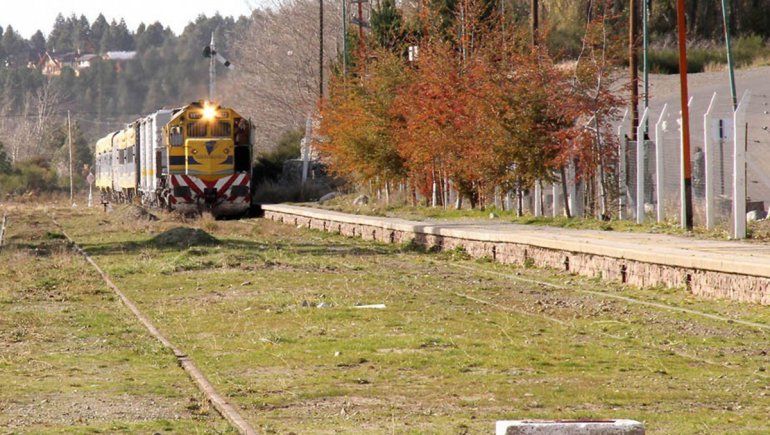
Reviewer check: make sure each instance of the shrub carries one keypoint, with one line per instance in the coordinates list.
(269, 165)
(30, 176)
(745, 51)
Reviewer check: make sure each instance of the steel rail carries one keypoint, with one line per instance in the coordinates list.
(220, 404)
(626, 299)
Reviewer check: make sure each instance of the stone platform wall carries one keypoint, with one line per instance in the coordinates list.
(704, 283)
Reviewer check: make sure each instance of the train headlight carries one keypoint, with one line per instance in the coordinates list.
(227, 150)
(195, 151)
(209, 112)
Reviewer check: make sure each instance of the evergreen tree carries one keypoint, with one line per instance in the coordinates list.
(15, 48)
(99, 27)
(387, 25)
(2, 51)
(82, 35)
(37, 43)
(61, 36)
(5, 163)
(121, 37)
(153, 36)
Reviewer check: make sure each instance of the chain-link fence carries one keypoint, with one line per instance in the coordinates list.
(656, 194)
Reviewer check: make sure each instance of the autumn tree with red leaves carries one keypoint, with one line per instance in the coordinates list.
(358, 122)
(478, 108)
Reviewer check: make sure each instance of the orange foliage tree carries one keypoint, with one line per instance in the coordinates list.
(478, 108)
(357, 123)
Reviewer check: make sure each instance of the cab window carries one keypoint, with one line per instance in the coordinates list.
(221, 129)
(176, 136)
(196, 129)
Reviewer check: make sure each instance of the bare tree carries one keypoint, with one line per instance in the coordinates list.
(276, 77)
(24, 125)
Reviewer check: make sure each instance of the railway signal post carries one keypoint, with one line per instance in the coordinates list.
(210, 51)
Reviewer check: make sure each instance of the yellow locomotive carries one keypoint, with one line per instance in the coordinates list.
(190, 159)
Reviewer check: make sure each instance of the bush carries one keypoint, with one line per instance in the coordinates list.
(272, 192)
(745, 51)
(30, 176)
(269, 165)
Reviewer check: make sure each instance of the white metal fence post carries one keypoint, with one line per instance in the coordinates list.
(556, 206)
(623, 188)
(739, 168)
(572, 189)
(640, 149)
(538, 198)
(659, 156)
(708, 154)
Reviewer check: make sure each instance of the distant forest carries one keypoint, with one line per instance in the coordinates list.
(168, 69)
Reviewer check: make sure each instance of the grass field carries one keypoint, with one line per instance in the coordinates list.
(72, 359)
(268, 312)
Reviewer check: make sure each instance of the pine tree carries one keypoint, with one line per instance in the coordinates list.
(387, 25)
(99, 27)
(61, 36)
(37, 42)
(5, 163)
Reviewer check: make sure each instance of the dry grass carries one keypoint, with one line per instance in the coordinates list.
(71, 357)
(454, 349)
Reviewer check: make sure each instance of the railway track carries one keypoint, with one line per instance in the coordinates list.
(217, 400)
(629, 300)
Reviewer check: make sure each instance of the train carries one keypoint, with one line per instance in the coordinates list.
(192, 159)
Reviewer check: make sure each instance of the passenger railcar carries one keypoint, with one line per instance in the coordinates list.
(191, 159)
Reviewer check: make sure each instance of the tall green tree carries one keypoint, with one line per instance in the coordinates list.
(387, 25)
(5, 162)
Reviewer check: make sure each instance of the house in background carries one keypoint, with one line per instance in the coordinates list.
(52, 64)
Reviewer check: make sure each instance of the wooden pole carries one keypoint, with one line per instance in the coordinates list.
(645, 61)
(533, 17)
(320, 49)
(69, 141)
(681, 20)
(344, 38)
(633, 64)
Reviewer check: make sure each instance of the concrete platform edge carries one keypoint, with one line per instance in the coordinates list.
(708, 275)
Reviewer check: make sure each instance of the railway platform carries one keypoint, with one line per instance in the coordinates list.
(737, 270)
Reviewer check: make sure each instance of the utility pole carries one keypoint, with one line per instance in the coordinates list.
(212, 68)
(360, 22)
(681, 21)
(344, 38)
(533, 17)
(69, 141)
(320, 49)
(726, 23)
(645, 63)
(633, 64)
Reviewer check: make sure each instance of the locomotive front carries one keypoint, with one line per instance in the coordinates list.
(209, 160)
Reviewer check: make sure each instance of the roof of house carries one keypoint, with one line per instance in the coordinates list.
(120, 55)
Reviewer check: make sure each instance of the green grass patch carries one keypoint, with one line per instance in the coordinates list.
(269, 315)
